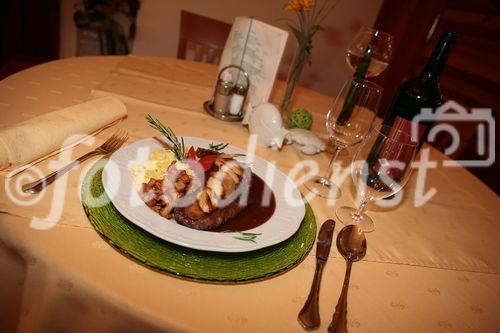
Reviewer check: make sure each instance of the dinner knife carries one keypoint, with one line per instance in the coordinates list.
(309, 315)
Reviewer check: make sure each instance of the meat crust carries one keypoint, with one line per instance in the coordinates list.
(209, 221)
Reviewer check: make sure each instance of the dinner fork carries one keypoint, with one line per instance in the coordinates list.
(109, 146)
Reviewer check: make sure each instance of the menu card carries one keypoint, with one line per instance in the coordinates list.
(257, 47)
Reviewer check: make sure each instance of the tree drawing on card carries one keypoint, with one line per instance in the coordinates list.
(246, 52)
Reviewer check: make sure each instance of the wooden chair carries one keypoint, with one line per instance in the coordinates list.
(201, 38)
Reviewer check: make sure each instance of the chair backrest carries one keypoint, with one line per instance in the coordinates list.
(201, 38)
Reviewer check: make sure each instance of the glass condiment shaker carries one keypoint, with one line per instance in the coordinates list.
(222, 96)
(228, 100)
(238, 96)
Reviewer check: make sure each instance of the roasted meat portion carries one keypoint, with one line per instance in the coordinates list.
(208, 206)
(219, 201)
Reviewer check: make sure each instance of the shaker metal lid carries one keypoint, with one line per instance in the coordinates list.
(239, 89)
(224, 87)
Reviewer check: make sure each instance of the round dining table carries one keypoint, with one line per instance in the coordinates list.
(432, 264)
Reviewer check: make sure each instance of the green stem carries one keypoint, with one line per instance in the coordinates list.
(293, 76)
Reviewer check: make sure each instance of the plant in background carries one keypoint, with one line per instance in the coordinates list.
(106, 18)
(310, 15)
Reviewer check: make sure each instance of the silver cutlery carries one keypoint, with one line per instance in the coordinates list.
(351, 243)
(111, 145)
(309, 315)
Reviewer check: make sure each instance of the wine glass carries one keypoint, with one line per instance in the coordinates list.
(380, 168)
(349, 120)
(381, 46)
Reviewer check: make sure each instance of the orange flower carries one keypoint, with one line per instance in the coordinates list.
(307, 5)
(299, 5)
(294, 6)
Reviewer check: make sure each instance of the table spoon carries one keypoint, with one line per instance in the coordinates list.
(309, 315)
(351, 243)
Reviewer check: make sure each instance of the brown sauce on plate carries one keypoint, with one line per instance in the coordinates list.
(255, 213)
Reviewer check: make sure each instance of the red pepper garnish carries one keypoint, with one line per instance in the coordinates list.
(191, 155)
(207, 161)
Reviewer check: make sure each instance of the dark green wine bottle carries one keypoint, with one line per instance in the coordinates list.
(421, 92)
(413, 95)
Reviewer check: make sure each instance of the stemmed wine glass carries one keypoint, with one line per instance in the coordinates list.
(381, 47)
(380, 168)
(349, 120)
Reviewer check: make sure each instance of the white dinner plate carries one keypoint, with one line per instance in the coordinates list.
(119, 186)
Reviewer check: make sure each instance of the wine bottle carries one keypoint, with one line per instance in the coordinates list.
(421, 92)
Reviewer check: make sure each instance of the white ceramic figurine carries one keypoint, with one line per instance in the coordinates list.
(306, 141)
(264, 120)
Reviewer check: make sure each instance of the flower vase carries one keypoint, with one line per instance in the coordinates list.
(299, 59)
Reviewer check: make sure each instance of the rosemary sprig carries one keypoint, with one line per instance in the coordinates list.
(218, 146)
(248, 236)
(177, 146)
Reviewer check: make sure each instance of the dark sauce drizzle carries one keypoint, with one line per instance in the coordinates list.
(255, 213)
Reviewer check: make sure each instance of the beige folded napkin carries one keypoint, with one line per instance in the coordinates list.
(40, 136)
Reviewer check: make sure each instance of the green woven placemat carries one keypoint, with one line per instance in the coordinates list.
(156, 253)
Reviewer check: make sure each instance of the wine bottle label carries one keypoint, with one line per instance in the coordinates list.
(403, 127)
(393, 151)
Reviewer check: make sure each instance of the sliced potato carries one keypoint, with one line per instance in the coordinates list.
(215, 183)
(237, 170)
(204, 202)
(214, 199)
(228, 185)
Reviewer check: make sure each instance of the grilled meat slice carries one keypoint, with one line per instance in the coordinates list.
(205, 202)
